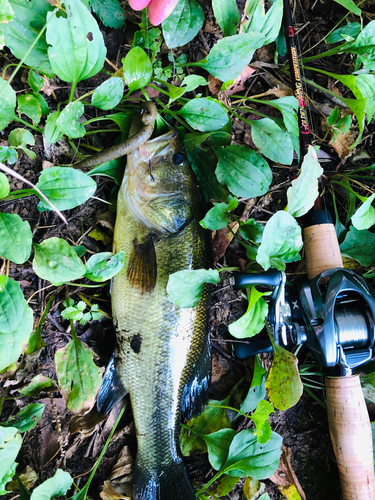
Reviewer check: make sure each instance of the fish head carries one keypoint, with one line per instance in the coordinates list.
(160, 186)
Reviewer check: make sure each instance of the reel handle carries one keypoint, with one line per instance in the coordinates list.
(351, 436)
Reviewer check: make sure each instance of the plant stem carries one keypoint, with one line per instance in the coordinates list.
(24, 122)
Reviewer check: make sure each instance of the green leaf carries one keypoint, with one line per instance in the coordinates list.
(38, 384)
(268, 24)
(247, 457)
(14, 342)
(204, 114)
(10, 444)
(103, 266)
(225, 485)
(211, 419)
(8, 103)
(364, 217)
(183, 24)
(113, 169)
(51, 131)
(6, 12)
(191, 82)
(56, 261)
(257, 390)
(229, 57)
(288, 106)
(20, 138)
(27, 418)
(137, 69)
(11, 303)
(227, 16)
(366, 85)
(203, 164)
(260, 419)
(281, 242)
(35, 81)
(8, 154)
(4, 191)
(364, 46)
(272, 141)
(217, 217)
(252, 322)
(351, 29)
(359, 245)
(15, 238)
(57, 485)
(283, 384)
(20, 33)
(68, 123)
(218, 444)
(108, 94)
(77, 49)
(304, 190)
(185, 287)
(251, 230)
(351, 6)
(42, 103)
(30, 106)
(65, 187)
(243, 171)
(109, 12)
(78, 375)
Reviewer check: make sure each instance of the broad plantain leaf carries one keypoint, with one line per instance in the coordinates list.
(78, 375)
(218, 444)
(4, 190)
(108, 94)
(109, 12)
(77, 49)
(217, 217)
(11, 304)
(304, 190)
(230, 56)
(281, 242)
(364, 46)
(10, 444)
(268, 24)
(68, 120)
(283, 384)
(366, 85)
(20, 138)
(204, 114)
(27, 418)
(65, 187)
(260, 419)
(8, 103)
(252, 322)
(29, 105)
(272, 141)
(15, 238)
(51, 131)
(57, 485)
(183, 24)
(56, 261)
(227, 16)
(103, 266)
(185, 287)
(257, 390)
(364, 217)
(38, 384)
(21, 32)
(359, 245)
(6, 12)
(351, 6)
(137, 69)
(243, 171)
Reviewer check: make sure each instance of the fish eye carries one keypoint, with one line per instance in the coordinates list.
(178, 158)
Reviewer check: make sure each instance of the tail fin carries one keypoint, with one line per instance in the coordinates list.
(169, 484)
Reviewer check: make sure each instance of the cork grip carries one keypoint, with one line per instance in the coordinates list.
(322, 250)
(350, 430)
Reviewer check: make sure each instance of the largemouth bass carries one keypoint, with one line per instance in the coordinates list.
(162, 356)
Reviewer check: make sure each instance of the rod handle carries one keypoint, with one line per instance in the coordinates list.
(322, 249)
(350, 429)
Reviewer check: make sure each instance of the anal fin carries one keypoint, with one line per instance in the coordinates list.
(111, 391)
(196, 391)
(142, 267)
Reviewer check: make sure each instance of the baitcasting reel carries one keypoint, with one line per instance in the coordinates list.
(333, 314)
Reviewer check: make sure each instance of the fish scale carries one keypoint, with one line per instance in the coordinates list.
(159, 345)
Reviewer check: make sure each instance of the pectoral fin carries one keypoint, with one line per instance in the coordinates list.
(111, 391)
(142, 268)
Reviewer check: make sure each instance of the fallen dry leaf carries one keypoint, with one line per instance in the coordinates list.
(124, 465)
(284, 476)
(253, 489)
(28, 479)
(238, 85)
(343, 143)
(222, 239)
(109, 492)
(214, 84)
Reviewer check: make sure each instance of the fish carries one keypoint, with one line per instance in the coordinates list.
(162, 356)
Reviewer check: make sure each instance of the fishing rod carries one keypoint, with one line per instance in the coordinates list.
(333, 313)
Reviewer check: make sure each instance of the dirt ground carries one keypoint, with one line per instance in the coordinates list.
(304, 427)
